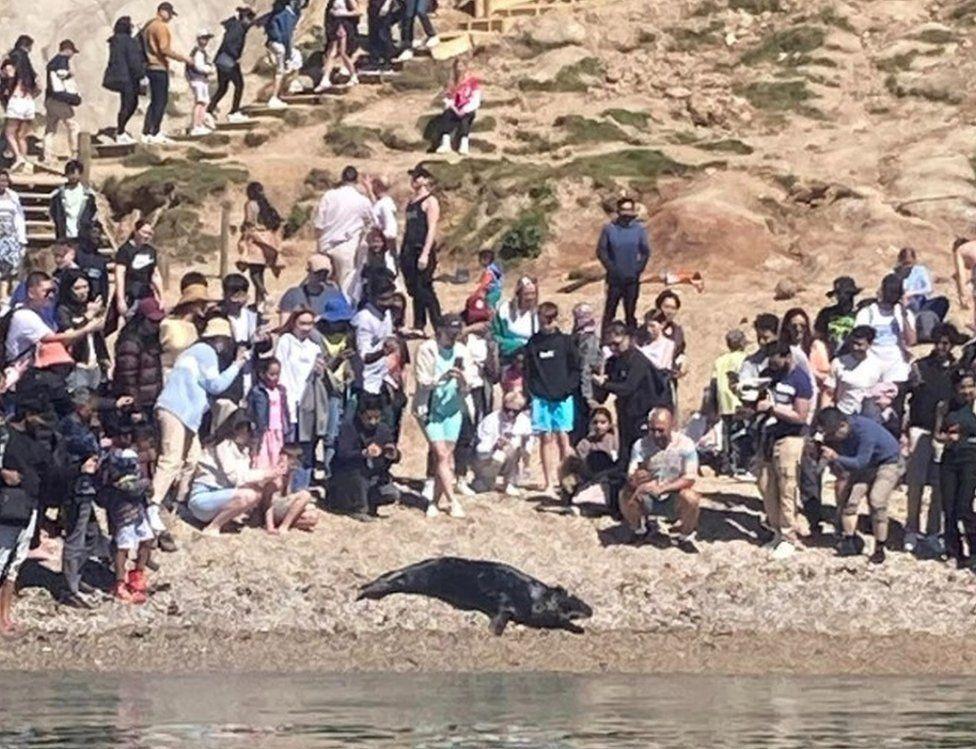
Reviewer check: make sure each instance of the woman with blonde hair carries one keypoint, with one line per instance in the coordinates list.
(461, 103)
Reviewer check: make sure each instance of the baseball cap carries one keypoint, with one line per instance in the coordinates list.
(67, 44)
(318, 263)
(168, 7)
(420, 171)
(844, 286)
(336, 308)
(451, 322)
(205, 33)
(246, 9)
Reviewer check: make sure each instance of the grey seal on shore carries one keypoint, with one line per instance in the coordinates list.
(503, 593)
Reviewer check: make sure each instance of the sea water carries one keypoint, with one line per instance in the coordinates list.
(90, 711)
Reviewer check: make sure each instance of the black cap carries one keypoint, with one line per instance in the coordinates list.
(168, 7)
(247, 10)
(844, 286)
(451, 322)
(420, 171)
(67, 44)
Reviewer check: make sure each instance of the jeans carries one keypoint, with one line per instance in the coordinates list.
(414, 10)
(302, 478)
(958, 483)
(158, 98)
(381, 46)
(128, 102)
(82, 540)
(622, 291)
(224, 79)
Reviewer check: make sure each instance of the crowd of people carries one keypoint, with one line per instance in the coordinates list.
(141, 59)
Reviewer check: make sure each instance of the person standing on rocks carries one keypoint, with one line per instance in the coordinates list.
(158, 44)
(126, 67)
(784, 408)
(287, 60)
(342, 218)
(228, 63)
(623, 250)
(868, 460)
(18, 88)
(415, 10)
(61, 99)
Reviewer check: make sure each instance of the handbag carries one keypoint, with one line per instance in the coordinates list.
(16, 507)
(51, 354)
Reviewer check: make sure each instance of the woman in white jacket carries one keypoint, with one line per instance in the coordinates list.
(198, 75)
(13, 235)
(461, 102)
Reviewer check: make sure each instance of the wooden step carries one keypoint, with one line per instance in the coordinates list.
(34, 198)
(21, 181)
(113, 150)
(236, 127)
(263, 110)
(495, 25)
(39, 225)
(35, 209)
(313, 97)
(42, 239)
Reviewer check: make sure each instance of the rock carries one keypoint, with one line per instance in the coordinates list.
(677, 92)
(623, 37)
(945, 85)
(785, 289)
(546, 66)
(553, 30)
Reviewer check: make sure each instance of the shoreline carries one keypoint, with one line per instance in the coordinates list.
(175, 650)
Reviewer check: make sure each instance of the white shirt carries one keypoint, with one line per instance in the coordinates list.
(478, 350)
(384, 216)
(297, 362)
(493, 427)
(852, 380)
(74, 201)
(678, 460)
(660, 352)
(26, 329)
(371, 334)
(888, 347)
(342, 214)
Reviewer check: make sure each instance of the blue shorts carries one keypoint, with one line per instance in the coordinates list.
(205, 502)
(549, 417)
(444, 429)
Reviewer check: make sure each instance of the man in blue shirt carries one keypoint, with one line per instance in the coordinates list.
(867, 460)
(917, 283)
(623, 250)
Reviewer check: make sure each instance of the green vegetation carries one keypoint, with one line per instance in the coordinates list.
(484, 124)
(628, 117)
(176, 183)
(921, 89)
(964, 11)
(255, 138)
(581, 130)
(730, 145)
(756, 6)
(685, 40)
(645, 164)
(795, 44)
(349, 140)
(896, 63)
(196, 154)
(395, 142)
(684, 137)
(179, 230)
(830, 17)
(297, 218)
(936, 36)
(707, 8)
(779, 96)
(571, 79)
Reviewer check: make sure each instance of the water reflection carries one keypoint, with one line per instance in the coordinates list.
(481, 711)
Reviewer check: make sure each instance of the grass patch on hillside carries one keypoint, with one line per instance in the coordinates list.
(790, 46)
(896, 63)
(580, 130)
(628, 117)
(573, 78)
(298, 217)
(729, 145)
(964, 11)
(349, 141)
(178, 183)
(755, 7)
(687, 39)
(919, 90)
(830, 17)
(779, 97)
(180, 231)
(936, 36)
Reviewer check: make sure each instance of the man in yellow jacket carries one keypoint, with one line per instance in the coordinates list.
(158, 44)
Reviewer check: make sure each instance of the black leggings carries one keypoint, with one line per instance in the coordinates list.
(420, 287)
(958, 484)
(128, 102)
(256, 272)
(224, 79)
(457, 123)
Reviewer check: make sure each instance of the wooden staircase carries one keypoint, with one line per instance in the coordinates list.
(36, 191)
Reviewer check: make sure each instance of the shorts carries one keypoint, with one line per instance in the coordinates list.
(281, 504)
(663, 507)
(446, 429)
(282, 63)
(21, 108)
(205, 502)
(14, 545)
(130, 535)
(549, 417)
(922, 467)
(201, 91)
(58, 111)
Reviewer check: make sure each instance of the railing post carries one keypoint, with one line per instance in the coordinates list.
(85, 156)
(224, 238)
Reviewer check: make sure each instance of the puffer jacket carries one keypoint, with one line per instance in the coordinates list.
(138, 366)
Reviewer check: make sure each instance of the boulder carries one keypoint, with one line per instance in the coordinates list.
(553, 30)
(546, 66)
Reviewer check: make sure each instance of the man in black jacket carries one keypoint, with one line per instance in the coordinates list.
(623, 250)
(551, 374)
(637, 384)
(72, 207)
(60, 100)
(228, 62)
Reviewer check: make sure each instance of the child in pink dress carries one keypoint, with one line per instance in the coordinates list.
(268, 409)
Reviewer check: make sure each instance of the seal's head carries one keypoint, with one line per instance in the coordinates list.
(558, 609)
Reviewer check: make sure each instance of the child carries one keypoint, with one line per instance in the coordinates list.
(267, 406)
(595, 457)
(727, 402)
(490, 283)
(283, 511)
(198, 75)
(125, 497)
(552, 377)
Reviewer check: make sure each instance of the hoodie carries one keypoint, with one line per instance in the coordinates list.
(624, 250)
(552, 366)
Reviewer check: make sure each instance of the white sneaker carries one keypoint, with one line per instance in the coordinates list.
(512, 491)
(457, 511)
(155, 521)
(911, 541)
(404, 56)
(148, 140)
(445, 146)
(773, 542)
(433, 41)
(209, 122)
(238, 117)
(462, 488)
(124, 139)
(324, 85)
(353, 80)
(464, 147)
(783, 550)
(275, 103)
(428, 491)
(417, 44)
(199, 132)
(432, 511)
(164, 140)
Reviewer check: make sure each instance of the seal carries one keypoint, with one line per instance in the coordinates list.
(502, 592)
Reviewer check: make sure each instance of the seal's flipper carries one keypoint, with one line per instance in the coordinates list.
(574, 628)
(499, 621)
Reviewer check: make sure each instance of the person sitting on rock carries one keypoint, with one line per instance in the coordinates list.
(660, 480)
(461, 103)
